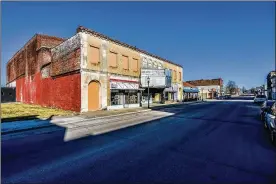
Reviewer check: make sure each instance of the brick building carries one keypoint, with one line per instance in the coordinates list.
(208, 88)
(86, 72)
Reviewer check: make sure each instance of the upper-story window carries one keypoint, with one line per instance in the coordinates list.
(94, 54)
(180, 77)
(145, 63)
(174, 75)
(112, 60)
(160, 66)
(155, 64)
(149, 63)
(125, 62)
(135, 64)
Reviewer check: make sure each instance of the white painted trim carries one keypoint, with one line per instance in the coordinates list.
(12, 84)
(132, 105)
(112, 107)
(126, 106)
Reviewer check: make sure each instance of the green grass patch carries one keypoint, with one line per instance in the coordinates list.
(17, 110)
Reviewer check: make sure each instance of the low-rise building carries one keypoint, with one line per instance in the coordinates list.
(190, 92)
(89, 72)
(208, 88)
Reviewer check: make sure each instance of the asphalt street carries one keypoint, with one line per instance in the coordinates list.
(214, 142)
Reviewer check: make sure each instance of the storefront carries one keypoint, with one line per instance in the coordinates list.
(190, 94)
(156, 80)
(124, 94)
(171, 93)
(155, 95)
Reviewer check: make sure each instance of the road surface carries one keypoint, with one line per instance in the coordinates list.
(210, 142)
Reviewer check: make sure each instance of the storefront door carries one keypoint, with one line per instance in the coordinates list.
(93, 96)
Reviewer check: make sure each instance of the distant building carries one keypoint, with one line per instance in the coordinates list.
(208, 88)
(190, 92)
(271, 85)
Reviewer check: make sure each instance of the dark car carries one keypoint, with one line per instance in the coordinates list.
(220, 97)
(270, 121)
(227, 96)
(264, 108)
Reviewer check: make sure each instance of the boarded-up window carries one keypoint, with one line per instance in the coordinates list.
(125, 62)
(112, 59)
(94, 54)
(135, 64)
(180, 76)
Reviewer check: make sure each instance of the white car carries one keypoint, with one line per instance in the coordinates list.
(270, 122)
(260, 98)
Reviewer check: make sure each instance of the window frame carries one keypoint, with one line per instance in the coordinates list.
(95, 63)
(127, 62)
(137, 60)
(113, 52)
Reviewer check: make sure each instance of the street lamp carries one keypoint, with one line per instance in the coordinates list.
(201, 93)
(148, 80)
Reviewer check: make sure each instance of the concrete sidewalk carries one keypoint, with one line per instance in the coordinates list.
(20, 126)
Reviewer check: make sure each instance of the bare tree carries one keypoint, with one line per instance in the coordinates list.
(231, 87)
(253, 90)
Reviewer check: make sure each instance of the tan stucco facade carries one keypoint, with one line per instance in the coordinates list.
(177, 78)
(95, 66)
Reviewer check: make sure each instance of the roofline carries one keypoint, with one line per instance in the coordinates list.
(205, 79)
(29, 41)
(83, 29)
(190, 85)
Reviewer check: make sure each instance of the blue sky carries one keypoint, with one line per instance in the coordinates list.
(232, 40)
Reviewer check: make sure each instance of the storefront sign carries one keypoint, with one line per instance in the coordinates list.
(156, 77)
(123, 85)
(153, 72)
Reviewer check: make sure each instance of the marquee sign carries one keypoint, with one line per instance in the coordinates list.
(158, 78)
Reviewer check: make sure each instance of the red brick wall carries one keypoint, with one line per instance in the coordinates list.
(26, 61)
(207, 82)
(43, 57)
(62, 92)
(68, 63)
(48, 41)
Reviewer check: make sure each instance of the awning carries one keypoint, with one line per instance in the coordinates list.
(124, 85)
(193, 90)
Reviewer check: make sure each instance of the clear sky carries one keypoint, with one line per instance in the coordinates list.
(232, 40)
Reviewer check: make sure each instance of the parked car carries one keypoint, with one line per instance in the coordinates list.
(264, 107)
(220, 97)
(260, 99)
(270, 122)
(227, 96)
